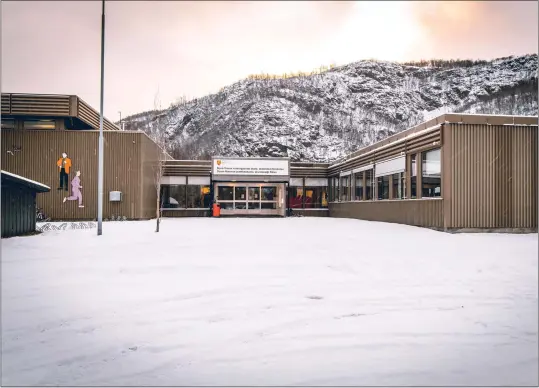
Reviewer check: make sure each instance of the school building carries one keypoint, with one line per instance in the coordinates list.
(454, 172)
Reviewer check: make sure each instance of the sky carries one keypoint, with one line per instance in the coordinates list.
(174, 49)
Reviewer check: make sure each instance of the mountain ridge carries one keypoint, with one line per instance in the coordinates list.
(324, 116)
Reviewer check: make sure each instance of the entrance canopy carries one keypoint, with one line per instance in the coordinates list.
(250, 169)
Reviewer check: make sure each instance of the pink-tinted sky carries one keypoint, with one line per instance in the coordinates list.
(195, 48)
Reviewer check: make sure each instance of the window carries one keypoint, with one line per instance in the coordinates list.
(398, 186)
(269, 193)
(383, 187)
(413, 177)
(172, 196)
(316, 197)
(316, 193)
(39, 124)
(295, 193)
(253, 198)
(227, 205)
(369, 184)
(296, 197)
(334, 189)
(225, 193)
(240, 197)
(240, 193)
(345, 188)
(358, 193)
(8, 124)
(431, 178)
(198, 196)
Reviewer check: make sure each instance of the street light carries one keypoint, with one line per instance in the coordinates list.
(100, 162)
(120, 120)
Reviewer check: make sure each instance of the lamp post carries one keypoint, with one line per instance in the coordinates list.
(120, 120)
(100, 163)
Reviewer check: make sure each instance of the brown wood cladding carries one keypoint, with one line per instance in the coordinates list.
(422, 141)
(6, 103)
(442, 119)
(91, 117)
(40, 150)
(493, 177)
(187, 168)
(311, 212)
(85, 114)
(417, 212)
(18, 210)
(150, 155)
(53, 105)
(203, 168)
(299, 170)
(176, 213)
(39, 105)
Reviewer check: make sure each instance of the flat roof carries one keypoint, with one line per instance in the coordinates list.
(432, 124)
(39, 187)
(53, 105)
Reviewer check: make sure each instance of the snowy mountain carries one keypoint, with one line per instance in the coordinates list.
(322, 117)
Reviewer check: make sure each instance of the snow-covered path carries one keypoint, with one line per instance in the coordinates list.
(297, 301)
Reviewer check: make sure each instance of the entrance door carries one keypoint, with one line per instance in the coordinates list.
(240, 197)
(254, 198)
(251, 198)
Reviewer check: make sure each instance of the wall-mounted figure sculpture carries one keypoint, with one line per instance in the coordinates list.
(64, 164)
(75, 190)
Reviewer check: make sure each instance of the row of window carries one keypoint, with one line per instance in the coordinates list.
(185, 196)
(247, 197)
(198, 196)
(365, 185)
(30, 124)
(359, 186)
(242, 193)
(308, 197)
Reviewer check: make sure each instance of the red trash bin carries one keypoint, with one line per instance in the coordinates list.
(216, 210)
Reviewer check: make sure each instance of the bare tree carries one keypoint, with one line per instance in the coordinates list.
(157, 131)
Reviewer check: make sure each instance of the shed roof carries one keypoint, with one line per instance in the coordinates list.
(10, 177)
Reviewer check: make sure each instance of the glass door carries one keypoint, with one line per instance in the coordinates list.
(254, 198)
(251, 198)
(240, 197)
(225, 196)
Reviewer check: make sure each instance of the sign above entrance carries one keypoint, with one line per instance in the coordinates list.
(250, 167)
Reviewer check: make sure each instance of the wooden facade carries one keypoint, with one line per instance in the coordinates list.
(128, 167)
(488, 168)
(421, 212)
(19, 205)
(491, 176)
(488, 175)
(66, 111)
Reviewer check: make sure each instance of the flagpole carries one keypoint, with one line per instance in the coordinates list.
(100, 165)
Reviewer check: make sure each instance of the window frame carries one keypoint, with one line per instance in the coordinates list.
(424, 163)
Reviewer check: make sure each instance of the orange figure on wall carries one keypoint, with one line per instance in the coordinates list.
(64, 163)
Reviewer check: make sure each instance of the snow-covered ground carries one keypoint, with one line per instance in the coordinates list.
(297, 301)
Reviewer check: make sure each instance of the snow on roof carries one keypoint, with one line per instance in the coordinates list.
(41, 185)
(492, 115)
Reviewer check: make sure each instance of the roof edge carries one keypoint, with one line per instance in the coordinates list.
(39, 187)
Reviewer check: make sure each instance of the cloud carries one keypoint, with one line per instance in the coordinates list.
(480, 29)
(194, 48)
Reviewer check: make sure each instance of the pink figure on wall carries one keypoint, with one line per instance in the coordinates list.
(75, 190)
